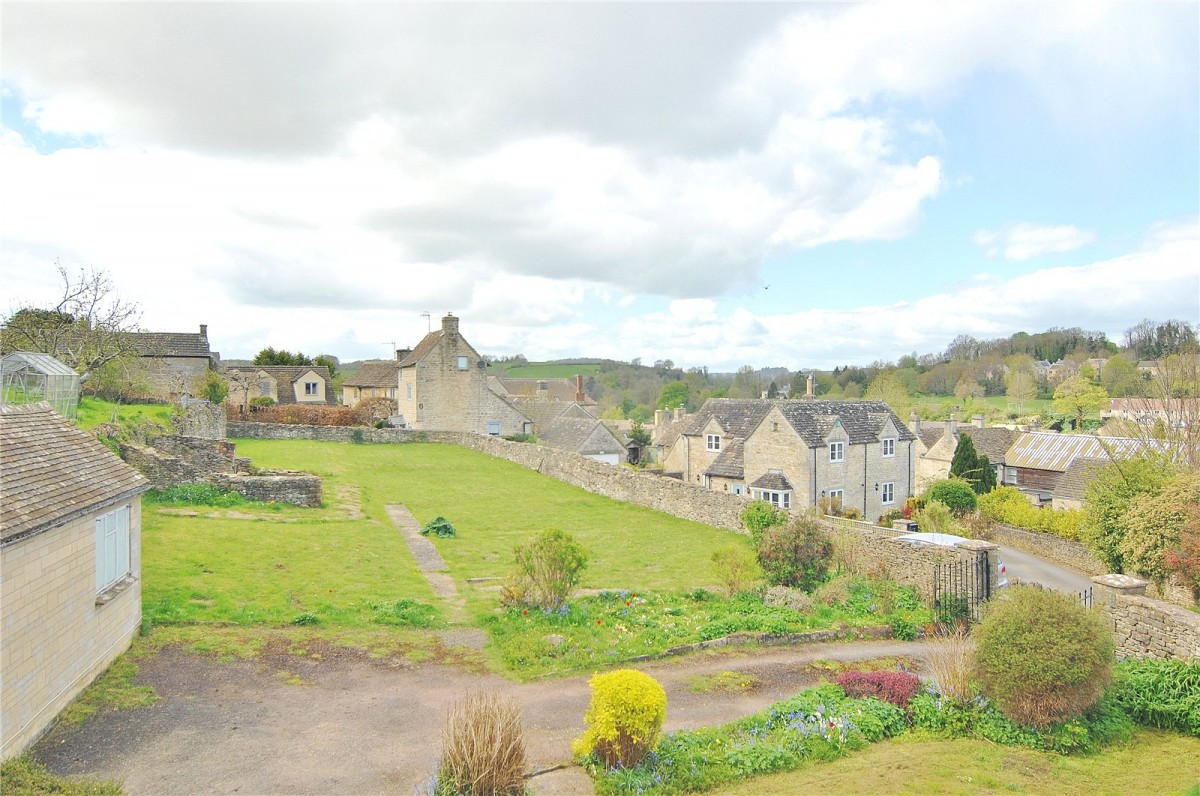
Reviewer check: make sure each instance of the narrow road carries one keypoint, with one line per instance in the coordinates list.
(1029, 568)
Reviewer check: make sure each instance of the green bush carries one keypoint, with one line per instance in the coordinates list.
(936, 517)
(1006, 504)
(1042, 656)
(1160, 693)
(1109, 496)
(760, 515)
(549, 567)
(439, 526)
(1155, 524)
(955, 493)
(796, 554)
(736, 568)
(624, 718)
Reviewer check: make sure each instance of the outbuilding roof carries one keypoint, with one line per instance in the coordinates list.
(1045, 450)
(171, 344)
(54, 472)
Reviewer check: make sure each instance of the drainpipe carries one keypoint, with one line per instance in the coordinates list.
(865, 516)
(813, 496)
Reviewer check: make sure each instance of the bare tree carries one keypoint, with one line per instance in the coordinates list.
(89, 326)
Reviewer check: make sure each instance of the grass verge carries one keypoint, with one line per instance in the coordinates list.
(25, 776)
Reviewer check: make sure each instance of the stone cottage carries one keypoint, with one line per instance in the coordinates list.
(70, 563)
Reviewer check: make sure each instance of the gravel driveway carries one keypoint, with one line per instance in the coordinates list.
(348, 724)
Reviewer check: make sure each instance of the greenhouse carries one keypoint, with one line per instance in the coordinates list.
(30, 378)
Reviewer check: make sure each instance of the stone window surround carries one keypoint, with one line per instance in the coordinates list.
(712, 442)
(837, 451)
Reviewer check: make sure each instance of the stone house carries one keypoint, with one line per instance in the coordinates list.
(376, 378)
(937, 442)
(443, 386)
(794, 453)
(70, 563)
(586, 436)
(172, 362)
(283, 384)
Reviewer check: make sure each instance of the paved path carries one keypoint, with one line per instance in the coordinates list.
(430, 562)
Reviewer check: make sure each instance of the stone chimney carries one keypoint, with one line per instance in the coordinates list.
(980, 422)
(543, 391)
(914, 423)
(579, 396)
(808, 387)
(449, 325)
(204, 330)
(952, 427)
(677, 413)
(660, 417)
(401, 353)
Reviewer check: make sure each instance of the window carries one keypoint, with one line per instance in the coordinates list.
(781, 500)
(112, 547)
(836, 496)
(409, 386)
(462, 363)
(738, 489)
(310, 388)
(889, 494)
(889, 446)
(837, 451)
(713, 442)
(493, 428)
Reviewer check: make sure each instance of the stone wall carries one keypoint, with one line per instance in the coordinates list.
(200, 419)
(1072, 555)
(1145, 627)
(279, 486)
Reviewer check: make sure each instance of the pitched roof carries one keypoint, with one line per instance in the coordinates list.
(171, 344)
(1079, 473)
(41, 363)
(427, 344)
(730, 462)
(585, 436)
(772, 480)
(565, 390)
(289, 375)
(736, 416)
(375, 373)
(664, 434)
(930, 434)
(990, 442)
(1046, 450)
(543, 413)
(54, 472)
(862, 420)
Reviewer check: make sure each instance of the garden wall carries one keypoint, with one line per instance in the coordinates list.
(280, 486)
(1144, 627)
(1064, 552)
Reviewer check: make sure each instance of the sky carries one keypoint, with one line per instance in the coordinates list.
(720, 185)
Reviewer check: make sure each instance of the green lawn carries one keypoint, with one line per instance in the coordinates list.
(548, 370)
(94, 411)
(1153, 762)
(941, 404)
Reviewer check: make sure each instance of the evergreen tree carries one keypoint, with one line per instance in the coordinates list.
(968, 466)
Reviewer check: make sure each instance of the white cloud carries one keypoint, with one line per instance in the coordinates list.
(1024, 241)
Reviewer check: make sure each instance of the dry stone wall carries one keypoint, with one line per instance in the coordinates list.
(1067, 553)
(1144, 627)
(278, 486)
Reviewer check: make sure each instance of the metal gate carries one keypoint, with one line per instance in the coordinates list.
(960, 590)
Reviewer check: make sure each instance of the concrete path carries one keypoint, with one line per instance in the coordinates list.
(429, 561)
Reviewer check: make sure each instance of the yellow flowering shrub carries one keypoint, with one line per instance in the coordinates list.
(624, 718)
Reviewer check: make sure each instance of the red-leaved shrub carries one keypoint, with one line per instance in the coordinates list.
(897, 688)
(299, 414)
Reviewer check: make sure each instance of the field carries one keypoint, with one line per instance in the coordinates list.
(546, 370)
(940, 405)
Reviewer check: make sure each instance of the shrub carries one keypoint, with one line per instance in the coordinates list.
(624, 718)
(440, 527)
(372, 411)
(549, 567)
(194, 495)
(483, 748)
(795, 599)
(1006, 504)
(261, 402)
(955, 493)
(760, 515)
(951, 660)
(1108, 497)
(736, 568)
(1154, 524)
(796, 554)
(1183, 560)
(896, 688)
(1042, 656)
(1160, 693)
(936, 517)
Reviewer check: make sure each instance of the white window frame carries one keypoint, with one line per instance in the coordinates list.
(310, 387)
(888, 446)
(462, 364)
(840, 496)
(712, 442)
(888, 493)
(738, 489)
(780, 500)
(837, 451)
(493, 428)
(113, 557)
(409, 386)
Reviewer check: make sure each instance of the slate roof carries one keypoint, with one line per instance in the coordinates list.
(1044, 450)
(736, 416)
(375, 373)
(773, 481)
(862, 420)
(990, 442)
(543, 413)
(1074, 481)
(171, 344)
(54, 473)
(564, 390)
(586, 436)
(930, 434)
(730, 462)
(664, 434)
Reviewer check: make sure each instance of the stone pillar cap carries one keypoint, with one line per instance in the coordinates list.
(976, 544)
(1114, 581)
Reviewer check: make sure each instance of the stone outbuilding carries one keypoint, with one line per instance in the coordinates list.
(70, 564)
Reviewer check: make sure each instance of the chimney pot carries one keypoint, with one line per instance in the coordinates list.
(980, 422)
(204, 330)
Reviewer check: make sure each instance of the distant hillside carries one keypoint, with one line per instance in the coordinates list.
(545, 370)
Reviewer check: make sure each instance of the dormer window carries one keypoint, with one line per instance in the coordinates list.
(310, 388)
(712, 442)
(837, 451)
(889, 446)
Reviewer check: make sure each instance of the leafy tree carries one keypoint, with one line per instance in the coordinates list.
(211, 387)
(1043, 657)
(269, 356)
(968, 388)
(1155, 524)
(955, 493)
(86, 329)
(1151, 340)
(745, 383)
(772, 389)
(1109, 496)
(796, 554)
(888, 387)
(1078, 397)
(1120, 377)
(673, 395)
(329, 361)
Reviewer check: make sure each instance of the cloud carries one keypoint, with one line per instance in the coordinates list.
(1024, 241)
